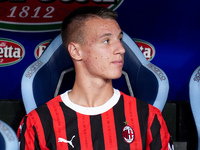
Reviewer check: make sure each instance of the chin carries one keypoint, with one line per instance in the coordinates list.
(117, 76)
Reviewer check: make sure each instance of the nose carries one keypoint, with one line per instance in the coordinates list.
(119, 49)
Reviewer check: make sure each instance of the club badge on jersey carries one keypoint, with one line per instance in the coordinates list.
(128, 133)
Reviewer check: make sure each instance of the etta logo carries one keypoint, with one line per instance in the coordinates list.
(147, 48)
(40, 48)
(11, 52)
(43, 15)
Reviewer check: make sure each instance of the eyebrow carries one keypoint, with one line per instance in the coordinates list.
(109, 34)
(105, 35)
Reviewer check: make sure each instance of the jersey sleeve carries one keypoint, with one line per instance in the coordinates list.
(28, 133)
(158, 137)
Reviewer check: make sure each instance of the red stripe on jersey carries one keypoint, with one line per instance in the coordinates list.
(29, 137)
(131, 115)
(163, 130)
(38, 126)
(58, 123)
(84, 131)
(164, 134)
(20, 128)
(108, 123)
(149, 134)
(150, 121)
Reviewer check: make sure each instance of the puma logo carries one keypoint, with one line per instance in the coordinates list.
(65, 141)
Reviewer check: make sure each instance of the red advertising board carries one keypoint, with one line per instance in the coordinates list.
(40, 15)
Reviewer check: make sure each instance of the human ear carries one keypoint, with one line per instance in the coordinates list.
(74, 51)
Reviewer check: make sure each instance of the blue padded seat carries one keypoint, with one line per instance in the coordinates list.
(194, 94)
(8, 138)
(2, 142)
(53, 73)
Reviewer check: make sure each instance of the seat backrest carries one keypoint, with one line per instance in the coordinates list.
(8, 138)
(53, 74)
(194, 94)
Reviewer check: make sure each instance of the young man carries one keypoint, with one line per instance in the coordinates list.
(93, 115)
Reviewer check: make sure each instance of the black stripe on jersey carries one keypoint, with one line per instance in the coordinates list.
(119, 115)
(23, 130)
(71, 125)
(47, 124)
(36, 142)
(143, 115)
(155, 131)
(97, 132)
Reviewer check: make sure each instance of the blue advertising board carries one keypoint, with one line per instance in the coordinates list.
(166, 31)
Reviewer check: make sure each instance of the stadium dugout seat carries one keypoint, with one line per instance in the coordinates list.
(53, 74)
(194, 93)
(8, 138)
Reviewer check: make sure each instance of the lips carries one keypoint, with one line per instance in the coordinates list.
(118, 62)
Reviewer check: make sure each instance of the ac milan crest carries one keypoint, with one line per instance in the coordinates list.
(128, 134)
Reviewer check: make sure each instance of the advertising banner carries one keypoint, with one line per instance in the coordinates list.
(167, 32)
(26, 28)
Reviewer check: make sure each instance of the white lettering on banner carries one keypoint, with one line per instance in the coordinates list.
(24, 13)
(10, 52)
(41, 50)
(2, 44)
(43, 15)
(146, 52)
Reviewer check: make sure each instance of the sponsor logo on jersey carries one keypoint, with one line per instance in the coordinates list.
(147, 48)
(128, 133)
(11, 52)
(43, 15)
(62, 140)
(40, 48)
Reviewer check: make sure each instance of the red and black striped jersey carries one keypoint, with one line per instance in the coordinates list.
(122, 123)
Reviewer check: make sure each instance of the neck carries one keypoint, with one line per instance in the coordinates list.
(91, 93)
